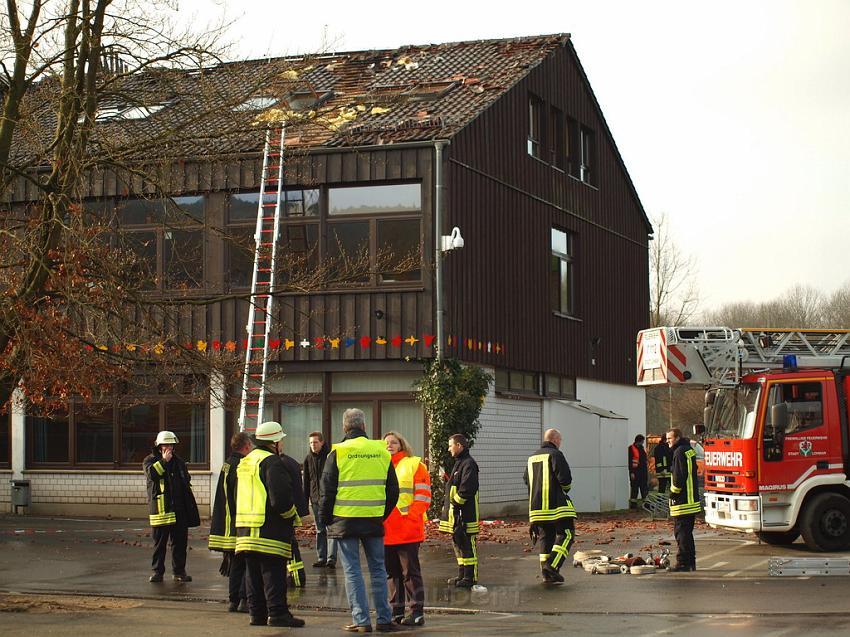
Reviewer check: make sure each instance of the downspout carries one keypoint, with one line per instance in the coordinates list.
(438, 240)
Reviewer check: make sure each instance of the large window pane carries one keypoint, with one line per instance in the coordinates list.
(366, 200)
(5, 457)
(295, 384)
(348, 252)
(184, 259)
(182, 209)
(94, 431)
(48, 438)
(294, 203)
(399, 254)
(240, 249)
(189, 424)
(407, 419)
(138, 425)
(140, 247)
(298, 252)
(362, 382)
(133, 212)
(337, 410)
(298, 420)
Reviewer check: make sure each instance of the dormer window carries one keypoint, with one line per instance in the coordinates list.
(306, 100)
(126, 112)
(257, 103)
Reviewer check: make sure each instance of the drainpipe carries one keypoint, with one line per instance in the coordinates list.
(438, 240)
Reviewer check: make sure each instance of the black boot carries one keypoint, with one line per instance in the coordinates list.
(454, 580)
(467, 579)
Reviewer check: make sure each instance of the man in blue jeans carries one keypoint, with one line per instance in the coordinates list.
(314, 465)
(359, 491)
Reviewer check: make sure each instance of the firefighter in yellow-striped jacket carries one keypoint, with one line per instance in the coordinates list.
(550, 511)
(684, 499)
(265, 518)
(460, 511)
(223, 524)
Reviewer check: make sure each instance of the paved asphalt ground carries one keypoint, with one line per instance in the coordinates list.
(89, 578)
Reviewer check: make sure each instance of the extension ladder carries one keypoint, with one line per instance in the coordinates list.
(262, 283)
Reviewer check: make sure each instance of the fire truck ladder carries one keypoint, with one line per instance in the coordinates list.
(263, 282)
(728, 352)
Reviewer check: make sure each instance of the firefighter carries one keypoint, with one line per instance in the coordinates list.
(295, 566)
(662, 456)
(684, 499)
(404, 532)
(460, 511)
(223, 524)
(550, 511)
(172, 506)
(638, 472)
(265, 515)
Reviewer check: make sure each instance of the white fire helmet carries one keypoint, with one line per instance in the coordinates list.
(166, 438)
(270, 431)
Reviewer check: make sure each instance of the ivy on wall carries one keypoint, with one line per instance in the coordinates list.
(452, 396)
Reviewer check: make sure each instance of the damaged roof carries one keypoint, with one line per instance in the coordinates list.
(413, 93)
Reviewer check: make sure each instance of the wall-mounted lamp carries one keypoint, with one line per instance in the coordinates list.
(379, 314)
(452, 241)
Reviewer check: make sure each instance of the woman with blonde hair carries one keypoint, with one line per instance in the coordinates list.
(405, 531)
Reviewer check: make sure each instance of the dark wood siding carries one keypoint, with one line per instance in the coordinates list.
(506, 203)
(407, 310)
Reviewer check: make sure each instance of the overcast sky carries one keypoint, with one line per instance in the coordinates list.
(733, 117)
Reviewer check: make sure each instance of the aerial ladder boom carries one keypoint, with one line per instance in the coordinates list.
(720, 355)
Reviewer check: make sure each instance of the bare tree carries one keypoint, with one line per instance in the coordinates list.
(673, 291)
(799, 307)
(836, 309)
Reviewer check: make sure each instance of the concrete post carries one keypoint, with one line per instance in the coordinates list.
(218, 428)
(19, 451)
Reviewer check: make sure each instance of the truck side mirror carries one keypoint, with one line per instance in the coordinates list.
(699, 428)
(779, 421)
(706, 417)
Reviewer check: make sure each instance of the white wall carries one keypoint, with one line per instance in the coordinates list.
(624, 400)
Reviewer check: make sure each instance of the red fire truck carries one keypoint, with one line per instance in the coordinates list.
(777, 443)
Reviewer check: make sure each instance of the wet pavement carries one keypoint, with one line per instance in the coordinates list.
(731, 592)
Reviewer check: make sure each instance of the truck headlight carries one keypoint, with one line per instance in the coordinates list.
(746, 505)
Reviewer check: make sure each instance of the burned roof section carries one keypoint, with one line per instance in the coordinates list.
(414, 93)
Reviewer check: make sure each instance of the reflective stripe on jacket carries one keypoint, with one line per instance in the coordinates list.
(362, 487)
(265, 511)
(549, 480)
(684, 489)
(406, 523)
(161, 510)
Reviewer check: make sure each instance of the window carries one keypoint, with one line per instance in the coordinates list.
(580, 151)
(406, 418)
(560, 386)
(804, 403)
(298, 420)
(535, 126)
(298, 242)
(5, 433)
(561, 276)
(516, 382)
(258, 103)
(115, 434)
(166, 239)
(374, 234)
(558, 149)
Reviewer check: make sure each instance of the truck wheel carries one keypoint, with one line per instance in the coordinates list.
(779, 538)
(825, 523)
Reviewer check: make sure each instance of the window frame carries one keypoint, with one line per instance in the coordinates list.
(6, 461)
(565, 260)
(535, 138)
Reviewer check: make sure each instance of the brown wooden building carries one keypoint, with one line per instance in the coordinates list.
(548, 292)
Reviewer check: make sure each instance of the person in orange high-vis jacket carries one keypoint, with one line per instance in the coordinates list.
(404, 531)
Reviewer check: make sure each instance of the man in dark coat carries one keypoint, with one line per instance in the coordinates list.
(460, 511)
(172, 506)
(684, 499)
(314, 464)
(223, 524)
(550, 510)
(638, 472)
(295, 566)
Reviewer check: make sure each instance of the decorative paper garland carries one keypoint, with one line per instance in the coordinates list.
(318, 343)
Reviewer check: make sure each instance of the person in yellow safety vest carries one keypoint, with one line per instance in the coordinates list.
(662, 456)
(359, 491)
(265, 518)
(295, 566)
(684, 499)
(223, 524)
(405, 532)
(550, 511)
(460, 511)
(172, 506)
